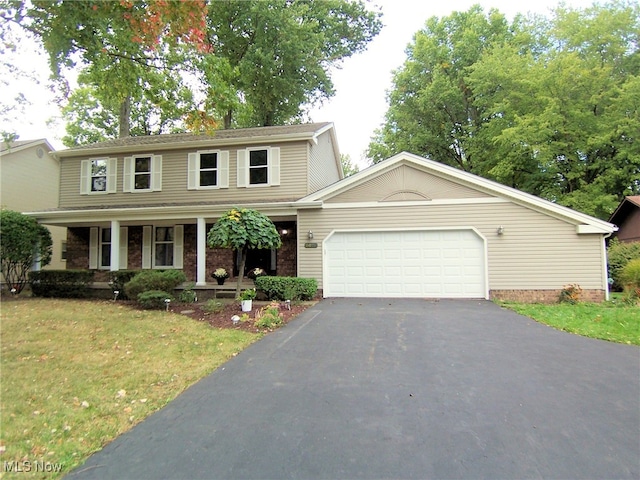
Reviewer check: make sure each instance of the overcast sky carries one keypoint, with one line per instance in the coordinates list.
(359, 105)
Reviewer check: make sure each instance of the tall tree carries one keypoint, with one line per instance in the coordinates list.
(547, 105)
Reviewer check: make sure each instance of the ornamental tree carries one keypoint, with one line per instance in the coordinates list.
(243, 229)
(23, 241)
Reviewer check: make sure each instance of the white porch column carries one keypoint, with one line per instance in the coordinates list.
(201, 252)
(115, 246)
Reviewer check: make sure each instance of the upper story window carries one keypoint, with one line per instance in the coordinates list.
(98, 175)
(259, 166)
(208, 169)
(142, 173)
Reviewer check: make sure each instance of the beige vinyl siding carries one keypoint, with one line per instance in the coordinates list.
(405, 183)
(323, 165)
(293, 182)
(535, 252)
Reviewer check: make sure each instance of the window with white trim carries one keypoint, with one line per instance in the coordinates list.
(142, 173)
(98, 175)
(162, 246)
(259, 166)
(104, 248)
(208, 169)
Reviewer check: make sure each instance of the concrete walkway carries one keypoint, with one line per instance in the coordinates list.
(398, 389)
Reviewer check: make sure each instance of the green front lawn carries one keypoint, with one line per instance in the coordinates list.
(615, 320)
(76, 374)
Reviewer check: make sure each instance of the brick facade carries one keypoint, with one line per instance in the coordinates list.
(542, 296)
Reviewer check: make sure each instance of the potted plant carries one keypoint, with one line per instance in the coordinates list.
(255, 273)
(220, 274)
(246, 299)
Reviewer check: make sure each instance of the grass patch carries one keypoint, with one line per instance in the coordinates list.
(76, 374)
(615, 321)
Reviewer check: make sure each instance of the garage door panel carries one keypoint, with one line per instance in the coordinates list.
(405, 264)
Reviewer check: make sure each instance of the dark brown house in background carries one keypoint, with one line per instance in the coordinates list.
(627, 218)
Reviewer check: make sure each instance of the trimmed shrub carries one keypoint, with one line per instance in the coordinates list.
(287, 288)
(618, 255)
(154, 299)
(162, 280)
(119, 279)
(61, 283)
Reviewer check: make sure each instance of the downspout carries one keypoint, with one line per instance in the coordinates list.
(605, 275)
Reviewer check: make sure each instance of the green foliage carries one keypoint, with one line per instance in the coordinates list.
(154, 299)
(22, 241)
(618, 255)
(61, 283)
(188, 295)
(248, 294)
(287, 288)
(119, 279)
(570, 294)
(163, 280)
(213, 306)
(268, 317)
(630, 276)
(545, 105)
(348, 167)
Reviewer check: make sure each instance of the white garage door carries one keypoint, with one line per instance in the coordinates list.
(432, 264)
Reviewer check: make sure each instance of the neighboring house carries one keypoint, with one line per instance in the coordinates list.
(406, 227)
(30, 180)
(627, 219)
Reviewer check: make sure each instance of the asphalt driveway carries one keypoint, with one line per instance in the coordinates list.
(398, 389)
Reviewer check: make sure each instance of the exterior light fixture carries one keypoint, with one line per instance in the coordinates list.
(115, 294)
(310, 235)
(235, 319)
(284, 232)
(500, 230)
(167, 302)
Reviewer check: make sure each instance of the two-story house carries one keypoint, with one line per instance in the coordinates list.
(405, 227)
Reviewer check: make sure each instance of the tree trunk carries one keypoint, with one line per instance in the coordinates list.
(227, 119)
(125, 118)
(243, 261)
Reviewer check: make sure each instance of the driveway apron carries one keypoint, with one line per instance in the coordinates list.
(398, 388)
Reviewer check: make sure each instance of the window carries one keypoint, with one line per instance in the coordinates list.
(98, 176)
(163, 247)
(105, 248)
(142, 173)
(208, 170)
(63, 251)
(259, 167)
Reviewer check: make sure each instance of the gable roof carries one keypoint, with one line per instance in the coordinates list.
(16, 146)
(585, 223)
(627, 205)
(234, 136)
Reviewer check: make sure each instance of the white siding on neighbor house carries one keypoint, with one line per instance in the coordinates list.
(536, 251)
(323, 165)
(175, 172)
(29, 182)
(405, 183)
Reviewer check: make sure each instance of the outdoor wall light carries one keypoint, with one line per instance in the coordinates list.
(310, 235)
(500, 230)
(284, 232)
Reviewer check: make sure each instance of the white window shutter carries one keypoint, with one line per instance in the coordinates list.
(147, 232)
(192, 172)
(124, 243)
(156, 173)
(223, 170)
(274, 166)
(178, 246)
(127, 176)
(93, 247)
(243, 168)
(85, 169)
(112, 172)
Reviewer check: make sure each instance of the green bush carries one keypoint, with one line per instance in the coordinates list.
(61, 283)
(630, 276)
(188, 295)
(154, 299)
(287, 288)
(117, 281)
(213, 306)
(618, 255)
(162, 280)
(268, 317)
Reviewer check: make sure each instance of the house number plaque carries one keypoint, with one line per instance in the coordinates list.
(311, 245)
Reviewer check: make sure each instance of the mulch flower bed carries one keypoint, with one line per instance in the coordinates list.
(223, 318)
